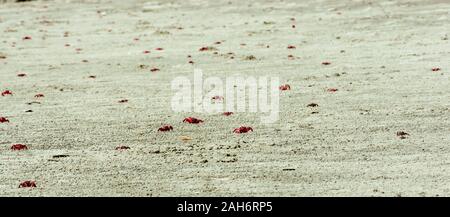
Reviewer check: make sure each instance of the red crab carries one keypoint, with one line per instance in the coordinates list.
(402, 134)
(326, 63)
(243, 129)
(332, 89)
(122, 147)
(154, 69)
(204, 49)
(435, 69)
(28, 184)
(39, 95)
(217, 98)
(3, 120)
(6, 92)
(291, 47)
(146, 51)
(159, 48)
(192, 120)
(21, 75)
(18, 147)
(165, 128)
(227, 113)
(26, 38)
(285, 87)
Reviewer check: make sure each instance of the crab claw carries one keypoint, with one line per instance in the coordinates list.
(165, 128)
(192, 120)
(243, 129)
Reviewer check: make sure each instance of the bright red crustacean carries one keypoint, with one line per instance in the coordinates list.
(203, 49)
(18, 147)
(285, 87)
(154, 69)
(165, 128)
(4, 120)
(435, 69)
(291, 47)
(39, 95)
(243, 129)
(192, 120)
(28, 184)
(217, 98)
(7, 92)
(332, 89)
(402, 134)
(227, 113)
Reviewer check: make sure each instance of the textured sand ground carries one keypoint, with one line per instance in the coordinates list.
(381, 55)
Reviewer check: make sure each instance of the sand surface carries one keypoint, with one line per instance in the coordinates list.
(381, 54)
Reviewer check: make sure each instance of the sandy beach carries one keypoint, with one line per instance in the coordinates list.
(367, 113)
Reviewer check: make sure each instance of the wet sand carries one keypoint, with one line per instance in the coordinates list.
(86, 56)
